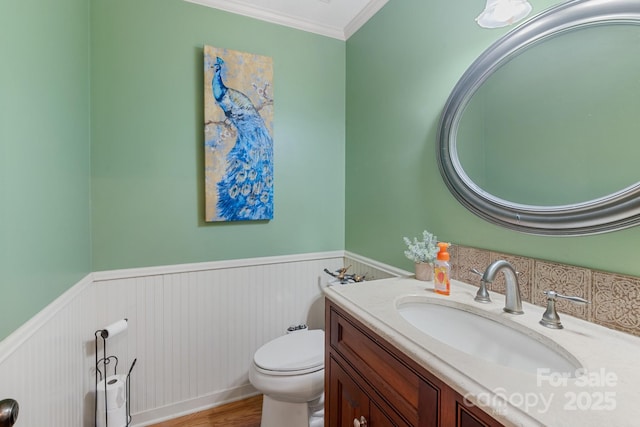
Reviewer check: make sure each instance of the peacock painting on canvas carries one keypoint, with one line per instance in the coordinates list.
(238, 129)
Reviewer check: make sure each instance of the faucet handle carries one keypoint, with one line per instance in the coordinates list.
(550, 318)
(554, 295)
(483, 294)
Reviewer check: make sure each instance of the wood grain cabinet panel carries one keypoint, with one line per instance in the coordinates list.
(350, 402)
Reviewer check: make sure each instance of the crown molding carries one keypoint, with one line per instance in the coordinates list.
(296, 22)
(361, 18)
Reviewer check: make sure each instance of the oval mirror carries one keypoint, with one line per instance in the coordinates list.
(539, 135)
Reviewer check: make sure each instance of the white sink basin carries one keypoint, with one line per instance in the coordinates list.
(487, 339)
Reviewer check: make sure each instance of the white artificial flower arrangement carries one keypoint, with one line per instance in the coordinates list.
(425, 250)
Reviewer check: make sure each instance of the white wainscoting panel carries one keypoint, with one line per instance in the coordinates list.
(193, 329)
(44, 364)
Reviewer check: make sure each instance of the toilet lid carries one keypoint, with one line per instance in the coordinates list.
(298, 351)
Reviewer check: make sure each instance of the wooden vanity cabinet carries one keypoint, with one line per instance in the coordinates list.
(369, 383)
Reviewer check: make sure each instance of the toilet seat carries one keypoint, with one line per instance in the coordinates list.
(292, 354)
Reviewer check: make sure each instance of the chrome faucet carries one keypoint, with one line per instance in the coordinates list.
(513, 303)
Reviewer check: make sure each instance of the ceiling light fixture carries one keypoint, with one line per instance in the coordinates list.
(500, 13)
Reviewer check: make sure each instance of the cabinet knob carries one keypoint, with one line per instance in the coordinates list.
(362, 422)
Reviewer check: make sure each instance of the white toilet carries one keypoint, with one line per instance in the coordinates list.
(289, 372)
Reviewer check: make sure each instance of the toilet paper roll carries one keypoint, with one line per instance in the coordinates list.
(114, 328)
(116, 396)
(114, 418)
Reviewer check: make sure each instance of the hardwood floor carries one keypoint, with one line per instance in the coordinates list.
(244, 413)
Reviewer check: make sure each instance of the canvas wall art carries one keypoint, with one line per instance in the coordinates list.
(238, 129)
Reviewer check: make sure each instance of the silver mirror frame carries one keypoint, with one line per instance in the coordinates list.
(616, 211)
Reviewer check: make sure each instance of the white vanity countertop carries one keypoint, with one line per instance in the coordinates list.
(608, 394)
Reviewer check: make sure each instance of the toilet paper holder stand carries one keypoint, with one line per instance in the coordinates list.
(102, 365)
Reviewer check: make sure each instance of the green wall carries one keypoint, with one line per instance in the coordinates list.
(102, 153)
(102, 137)
(401, 68)
(147, 136)
(44, 154)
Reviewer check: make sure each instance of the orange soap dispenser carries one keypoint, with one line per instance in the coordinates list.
(442, 270)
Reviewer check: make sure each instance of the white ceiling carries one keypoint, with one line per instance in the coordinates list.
(332, 18)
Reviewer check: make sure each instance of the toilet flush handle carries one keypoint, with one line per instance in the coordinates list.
(362, 422)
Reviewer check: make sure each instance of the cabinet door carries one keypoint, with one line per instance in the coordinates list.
(347, 401)
(471, 416)
(466, 419)
(388, 375)
(349, 405)
(377, 418)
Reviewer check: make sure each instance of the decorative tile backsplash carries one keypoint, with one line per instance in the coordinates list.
(615, 298)
(616, 301)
